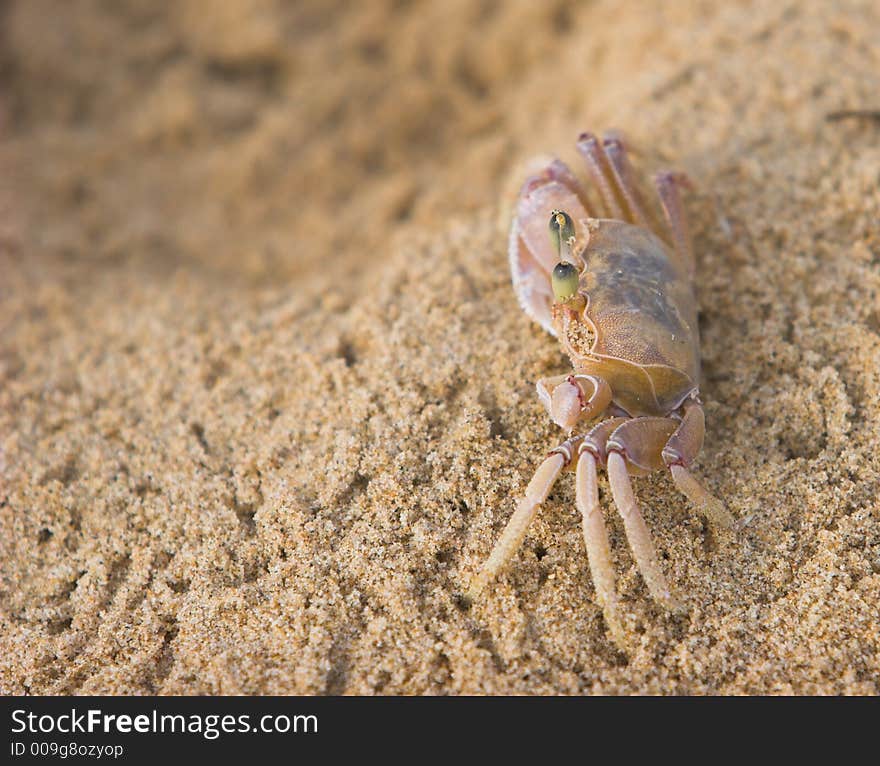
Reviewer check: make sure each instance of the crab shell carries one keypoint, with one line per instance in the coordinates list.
(640, 305)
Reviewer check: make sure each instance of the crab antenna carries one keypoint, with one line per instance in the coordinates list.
(562, 234)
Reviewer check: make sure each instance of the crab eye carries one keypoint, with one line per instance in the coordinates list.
(561, 230)
(565, 281)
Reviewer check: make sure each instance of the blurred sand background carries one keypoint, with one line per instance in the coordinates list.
(266, 396)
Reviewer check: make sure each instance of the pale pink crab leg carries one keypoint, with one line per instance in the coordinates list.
(597, 164)
(669, 185)
(616, 153)
(512, 536)
(679, 451)
(705, 502)
(597, 543)
(637, 533)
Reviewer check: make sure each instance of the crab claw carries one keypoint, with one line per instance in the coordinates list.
(533, 254)
(566, 404)
(563, 398)
(540, 196)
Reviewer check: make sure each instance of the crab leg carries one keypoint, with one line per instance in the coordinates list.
(648, 444)
(602, 175)
(616, 153)
(637, 533)
(669, 185)
(596, 541)
(512, 536)
(706, 503)
(635, 447)
(679, 452)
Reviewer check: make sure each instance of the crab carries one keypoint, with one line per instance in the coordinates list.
(612, 280)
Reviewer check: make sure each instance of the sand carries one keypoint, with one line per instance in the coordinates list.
(267, 398)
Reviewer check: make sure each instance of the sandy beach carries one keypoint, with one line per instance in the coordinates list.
(267, 397)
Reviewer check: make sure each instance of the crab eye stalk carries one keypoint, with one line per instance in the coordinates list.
(561, 233)
(565, 281)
